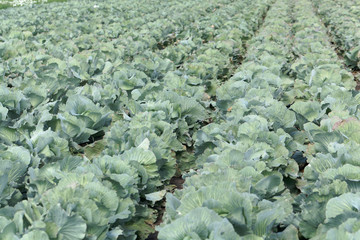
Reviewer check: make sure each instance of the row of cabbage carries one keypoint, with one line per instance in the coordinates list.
(91, 130)
(229, 195)
(282, 162)
(331, 178)
(342, 20)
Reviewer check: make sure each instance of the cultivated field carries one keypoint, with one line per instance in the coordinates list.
(180, 120)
